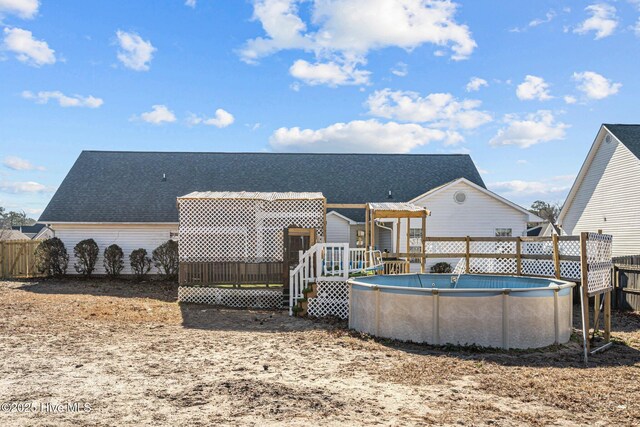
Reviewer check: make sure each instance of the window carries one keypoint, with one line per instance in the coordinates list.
(503, 232)
(415, 242)
(415, 233)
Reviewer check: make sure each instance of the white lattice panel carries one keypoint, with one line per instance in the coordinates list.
(599, 263)
(232, 297)
(492, 247)
(446, 247)
(332, 300)
(570, 270)
(536, 248)
(538, 267)
(492, 265)
(569, 247)
(244, 230)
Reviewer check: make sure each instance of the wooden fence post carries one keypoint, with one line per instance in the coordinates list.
(607, 315)
(468, 256)
(519, 256)
(556, 254)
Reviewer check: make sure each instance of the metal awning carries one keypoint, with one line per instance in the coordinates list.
(252, 195)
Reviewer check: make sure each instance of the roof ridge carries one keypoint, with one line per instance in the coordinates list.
(274, 153)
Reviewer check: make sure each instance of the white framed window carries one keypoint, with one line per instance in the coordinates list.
(415, 242)
(504, 232)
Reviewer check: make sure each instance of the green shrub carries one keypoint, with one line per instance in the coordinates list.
(140, 263)
(441, 267)
(113, 260)
(52, 257)
(165, 258)
(86, 253)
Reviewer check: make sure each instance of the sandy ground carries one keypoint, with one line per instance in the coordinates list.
(136, 357)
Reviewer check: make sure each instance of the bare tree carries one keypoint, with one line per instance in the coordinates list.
(547, 211)
(10, 219)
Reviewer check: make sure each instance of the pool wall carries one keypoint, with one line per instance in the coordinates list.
(519, 317)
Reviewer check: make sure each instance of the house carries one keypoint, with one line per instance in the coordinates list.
(129, 198)
(606, 193)
(6, 234)
(35, 231)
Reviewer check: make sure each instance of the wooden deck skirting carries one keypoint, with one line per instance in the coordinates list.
(17, 259)
(233, 273)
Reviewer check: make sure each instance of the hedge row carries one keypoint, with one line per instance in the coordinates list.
(52, 258)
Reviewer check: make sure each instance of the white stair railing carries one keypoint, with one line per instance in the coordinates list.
(329, 262)
(323, 261)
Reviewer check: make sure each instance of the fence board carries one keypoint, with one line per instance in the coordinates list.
(17, 259)
(627, 278)
(234, 273)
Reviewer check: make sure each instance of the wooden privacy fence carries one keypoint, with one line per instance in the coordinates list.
(552, 256)
(234, 273)
(17, 259)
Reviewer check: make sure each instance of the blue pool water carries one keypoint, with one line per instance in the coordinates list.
(465, 281)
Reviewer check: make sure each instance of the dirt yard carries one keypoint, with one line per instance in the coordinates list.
(136, 357)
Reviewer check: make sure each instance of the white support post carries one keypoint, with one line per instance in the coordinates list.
(345, 261)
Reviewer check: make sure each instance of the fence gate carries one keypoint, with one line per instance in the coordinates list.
(17, 259)
(596, 265)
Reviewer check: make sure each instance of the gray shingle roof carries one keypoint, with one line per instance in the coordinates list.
(629, 135)
(116, 186)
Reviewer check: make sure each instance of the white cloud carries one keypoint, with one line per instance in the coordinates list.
(158, 115)
(603, 21)
(475, 84)
(23, 187)
(344, 32)
(19, 164)
(636, 28)
(190, 3)
(533, 87)
(27, 49)
(533, 129)
(594, 85)
(25, 9)
(401, 69)
(569, 99)
(438, 109)
(522, 162)
(135, 53)
(548, 17)
(552, 187)
(222, 119)
(330, 73)
(361, 136)
(64, 100)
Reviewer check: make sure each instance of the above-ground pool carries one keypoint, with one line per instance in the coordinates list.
(489, 311)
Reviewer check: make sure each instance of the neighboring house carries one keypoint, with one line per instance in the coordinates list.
(35, 232)
(7, 234)
(129, 198)
(606, 193)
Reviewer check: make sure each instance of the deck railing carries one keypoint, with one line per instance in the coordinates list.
(233, 273)
(328, 262)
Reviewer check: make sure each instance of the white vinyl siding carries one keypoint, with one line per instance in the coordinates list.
(338, 229)
(610, 189)
(127, 236)
(479, 216)
(353, 239)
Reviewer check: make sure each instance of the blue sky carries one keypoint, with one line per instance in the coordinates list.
(521, 86)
